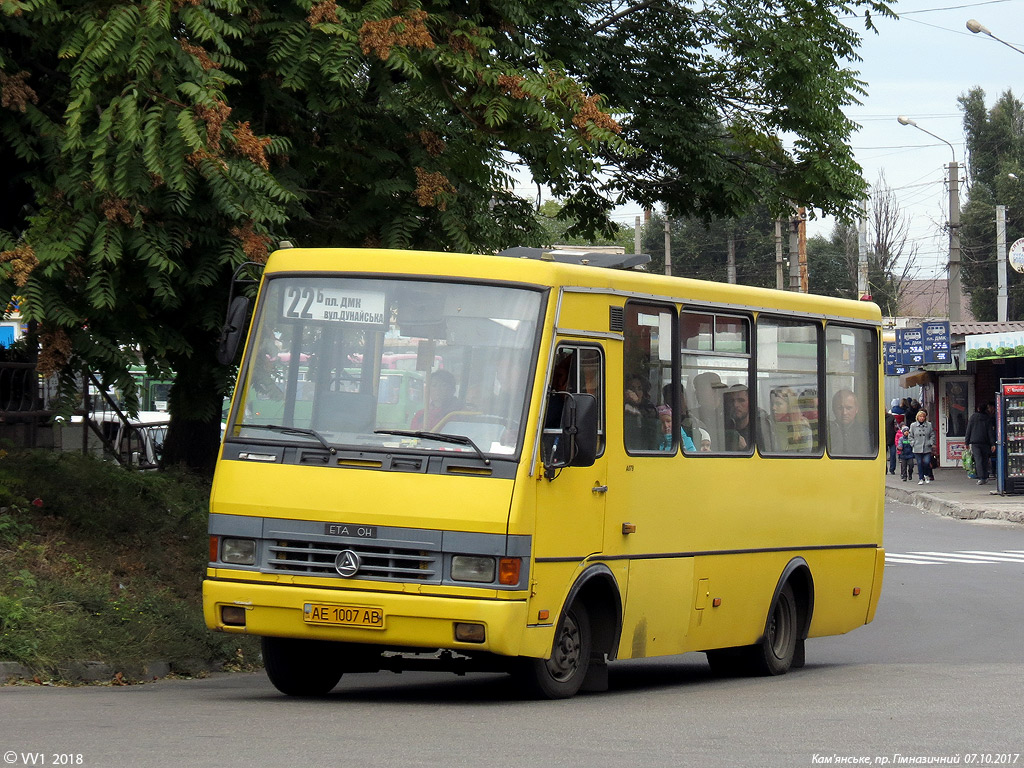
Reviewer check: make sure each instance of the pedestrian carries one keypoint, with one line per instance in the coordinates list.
(922, 439)
(890, 438)
(899, 411)
(980, 438)
(990, 411)
(906, 449)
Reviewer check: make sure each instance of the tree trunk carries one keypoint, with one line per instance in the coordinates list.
(196, 402)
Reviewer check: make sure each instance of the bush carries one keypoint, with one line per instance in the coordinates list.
(99, 563)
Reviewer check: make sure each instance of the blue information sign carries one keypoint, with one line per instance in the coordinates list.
(936, 342)
(910, 346)
(892, 368)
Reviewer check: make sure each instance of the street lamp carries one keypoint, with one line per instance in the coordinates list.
(976, 26)
(954, 224)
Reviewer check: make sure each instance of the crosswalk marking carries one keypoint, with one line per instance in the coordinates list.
(963, 557)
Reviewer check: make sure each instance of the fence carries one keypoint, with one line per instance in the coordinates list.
(28, 419)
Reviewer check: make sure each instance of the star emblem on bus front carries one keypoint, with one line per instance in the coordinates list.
(347, 563)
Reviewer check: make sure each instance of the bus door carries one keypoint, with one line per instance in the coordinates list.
(571, 500)
(647, 531)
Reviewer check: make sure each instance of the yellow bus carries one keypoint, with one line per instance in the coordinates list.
(607, 464)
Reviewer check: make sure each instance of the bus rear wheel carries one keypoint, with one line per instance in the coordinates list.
(774, 654)
(302, 667)
(562, 675)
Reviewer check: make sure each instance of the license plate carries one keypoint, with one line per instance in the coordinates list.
(344, 615)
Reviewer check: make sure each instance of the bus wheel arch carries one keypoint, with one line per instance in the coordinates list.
(787, 623)
(789, 618)
(586, 636)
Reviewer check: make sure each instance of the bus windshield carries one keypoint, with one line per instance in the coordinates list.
(321, 367)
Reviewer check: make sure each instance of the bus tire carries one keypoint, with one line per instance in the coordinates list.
(302, 667)
(561, 675)
(775, 653)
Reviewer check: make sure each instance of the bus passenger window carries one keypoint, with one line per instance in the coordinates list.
(787, 385)
(648, 379)
(851, 379)
(715, 383)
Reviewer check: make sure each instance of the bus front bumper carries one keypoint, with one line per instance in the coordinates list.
(405, 620)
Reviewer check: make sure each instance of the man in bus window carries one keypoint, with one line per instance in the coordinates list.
(847, 433)
(738, 435)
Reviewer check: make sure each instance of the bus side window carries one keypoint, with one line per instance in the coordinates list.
(787, 386)
(851, 385)
(720, 413)
(576, 370)
(648, 382)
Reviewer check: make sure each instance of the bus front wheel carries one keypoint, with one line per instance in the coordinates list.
(561, 676)
(302, 667)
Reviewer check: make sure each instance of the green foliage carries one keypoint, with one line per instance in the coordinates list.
(700, 249)
(995, 144)
(150, 147)
(100, 565)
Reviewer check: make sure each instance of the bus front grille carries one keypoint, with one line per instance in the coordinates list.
(376, 562)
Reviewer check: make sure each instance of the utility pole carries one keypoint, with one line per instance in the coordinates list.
(794, 254)
(731, 259)
(636, 235)
(779, 285)
(802, 248)
(862, 252)
(1002, 299)
(668, 246)
(954, 243)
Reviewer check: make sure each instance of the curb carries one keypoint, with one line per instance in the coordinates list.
(80, 671)
(974, 511)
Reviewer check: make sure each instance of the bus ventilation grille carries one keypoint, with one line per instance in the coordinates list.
(379, 563)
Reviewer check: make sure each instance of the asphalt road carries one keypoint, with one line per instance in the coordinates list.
(938, 676)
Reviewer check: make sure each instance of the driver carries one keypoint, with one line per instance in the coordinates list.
(442, 401)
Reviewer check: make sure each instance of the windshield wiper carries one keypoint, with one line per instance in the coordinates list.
(295, 431)
(439, 436)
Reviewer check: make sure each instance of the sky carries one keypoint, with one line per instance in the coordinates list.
(917, 66)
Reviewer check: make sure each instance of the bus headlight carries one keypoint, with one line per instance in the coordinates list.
(238, 551)
(478, 569)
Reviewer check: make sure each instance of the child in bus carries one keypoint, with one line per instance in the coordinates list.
(905, 449)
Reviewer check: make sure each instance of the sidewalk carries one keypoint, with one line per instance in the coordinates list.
(954, 494)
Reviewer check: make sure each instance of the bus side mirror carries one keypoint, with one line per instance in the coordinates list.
(585, 439)
(574, 441)
(233, 331)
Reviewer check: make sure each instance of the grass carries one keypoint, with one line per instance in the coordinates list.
(98, 563)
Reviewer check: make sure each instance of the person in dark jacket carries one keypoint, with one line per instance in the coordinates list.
(980, 438)
(890, 438)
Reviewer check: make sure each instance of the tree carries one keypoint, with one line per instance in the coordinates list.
(701, 249)
(833, 264)
(556, 230)
(152, 146)
(995, 146)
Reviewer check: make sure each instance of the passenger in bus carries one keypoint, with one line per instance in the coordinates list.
(847, 435)
(705, 441)
(792, 432)
(707, 386)
(641, 423)
(441, 387)
(686, 423)
(738, 423)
